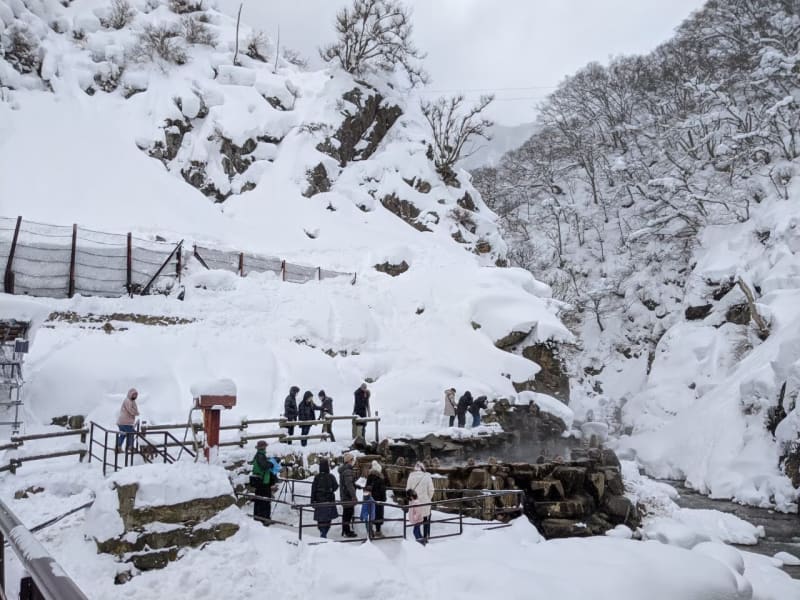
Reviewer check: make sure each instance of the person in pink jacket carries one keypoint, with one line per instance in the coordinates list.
(127, 417)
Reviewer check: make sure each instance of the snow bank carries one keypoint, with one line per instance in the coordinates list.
(166, 485)
(549, 405)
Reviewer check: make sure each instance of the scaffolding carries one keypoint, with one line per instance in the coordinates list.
(13, 347)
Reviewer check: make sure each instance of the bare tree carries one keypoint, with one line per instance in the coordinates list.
(375, 35)
(452, 126)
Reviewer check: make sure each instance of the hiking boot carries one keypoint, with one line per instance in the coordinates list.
(350, 534)
(377, 534)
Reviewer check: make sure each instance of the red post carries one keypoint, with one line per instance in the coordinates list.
(129, 276)
(211, 421)
(71, 290)
(9, 275)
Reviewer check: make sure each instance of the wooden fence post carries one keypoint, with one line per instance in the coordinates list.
(8, 281)
(71, 290)
(319, 273)
(283, 270)
(129, 266)
(241, 264)
(179, 264)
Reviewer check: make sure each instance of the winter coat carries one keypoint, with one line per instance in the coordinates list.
(422, 483)
(449, 403)
(361, 403)
(263, 469)
(326, 407)
(128, 411)
(477, 405)
(367, 509)
(415, 514)
(464, 403)
(290, 408)
(347, 483)
(323, 489)
(378, 484)
(305, 411)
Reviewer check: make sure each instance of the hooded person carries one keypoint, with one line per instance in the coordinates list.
(361, 408)
(462, 407)
(377, 483)
(127, 418)
(290, 408)
(306, 412)
(421, 482)
(347, 494)
(323, 491)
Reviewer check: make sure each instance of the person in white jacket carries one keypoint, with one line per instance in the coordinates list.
(421, 482)
(450, 405)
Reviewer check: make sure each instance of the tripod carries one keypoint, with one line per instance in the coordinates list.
(285, 493)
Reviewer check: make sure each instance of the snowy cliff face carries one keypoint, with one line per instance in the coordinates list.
(651, 188)
(133, 117)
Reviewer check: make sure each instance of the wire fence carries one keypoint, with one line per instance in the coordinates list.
(244, 263)
(60, 261)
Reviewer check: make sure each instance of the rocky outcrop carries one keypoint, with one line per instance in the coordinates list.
(403, 209)
(153, 534)
(318, 181)
(392, 269)
(580, 497)
(552, 379)
(697, 313)
(362, 129)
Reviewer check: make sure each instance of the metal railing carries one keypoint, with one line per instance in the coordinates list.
(151, 446)
(44, 579)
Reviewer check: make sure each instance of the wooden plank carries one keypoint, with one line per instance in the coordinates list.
(199, 258)
(8, 284)
(44, 436)
(71, 291)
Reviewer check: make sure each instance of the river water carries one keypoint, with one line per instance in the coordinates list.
(782, 530)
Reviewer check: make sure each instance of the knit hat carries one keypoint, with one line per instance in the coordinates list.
(376, 466)
(261, 444)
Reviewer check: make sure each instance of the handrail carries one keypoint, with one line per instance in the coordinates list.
(49, 579)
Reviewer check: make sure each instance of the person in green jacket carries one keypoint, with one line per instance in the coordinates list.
(262, 478)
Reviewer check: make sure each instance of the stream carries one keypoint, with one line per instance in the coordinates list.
(782, 530)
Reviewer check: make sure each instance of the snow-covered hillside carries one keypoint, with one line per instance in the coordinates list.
(658, 192)
(312, 166)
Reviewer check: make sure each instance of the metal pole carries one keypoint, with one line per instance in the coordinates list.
(405, 512)
(129, 265)
(377, 431)
(2, 563)
(300, 528)
(48, 577)
(9, 275)
(71, 290)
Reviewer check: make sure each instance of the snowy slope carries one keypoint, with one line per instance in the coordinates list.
(109, 160)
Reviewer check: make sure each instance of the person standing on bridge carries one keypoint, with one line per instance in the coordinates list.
(347, 494)
(127, 417)
(361, 406)
(323, 491)
(290, 408)
(463, 406)
(262, 479)
(450, 405)
(421, 483)
(306, 413)
(326, 410)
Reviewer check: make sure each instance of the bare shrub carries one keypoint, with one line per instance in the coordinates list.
(183, 7)
(122, 13)
(375, 35)
(452, 126)
(162, 41)
(293, 57)
(197, 32)
(256, 46)
(20, 47)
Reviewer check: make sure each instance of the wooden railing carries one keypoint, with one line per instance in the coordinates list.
(18, 440)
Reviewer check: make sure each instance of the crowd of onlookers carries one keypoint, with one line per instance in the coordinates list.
(306, 409)
(419, 491)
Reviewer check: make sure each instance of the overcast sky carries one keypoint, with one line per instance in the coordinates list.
(518, 49)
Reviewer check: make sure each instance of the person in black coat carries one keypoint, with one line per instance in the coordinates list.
(290, 408)
(306, 412)
(361, 406)
(326, 410)
(347, 493)
(475, 409)
(463, 406)
(377, 483)
(323, 489)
